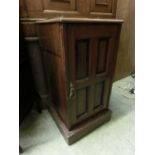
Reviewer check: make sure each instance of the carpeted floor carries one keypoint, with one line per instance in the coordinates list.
(39, 134)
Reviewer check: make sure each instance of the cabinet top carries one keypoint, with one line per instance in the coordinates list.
(79, 20)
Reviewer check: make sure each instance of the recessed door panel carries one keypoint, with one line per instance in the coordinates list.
(82, 58)
(102, 52)
(105, 6)
(62, 5)
(82, 102)
(98, 95)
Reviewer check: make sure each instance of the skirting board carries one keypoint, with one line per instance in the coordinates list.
(82, 129)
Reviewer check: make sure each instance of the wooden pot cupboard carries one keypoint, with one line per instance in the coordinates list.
(77, 44)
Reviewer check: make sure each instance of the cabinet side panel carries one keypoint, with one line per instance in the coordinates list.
(50, 41)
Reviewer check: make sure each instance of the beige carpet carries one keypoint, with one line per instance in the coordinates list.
(39, 134)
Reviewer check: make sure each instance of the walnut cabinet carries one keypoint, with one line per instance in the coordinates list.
(79, 57)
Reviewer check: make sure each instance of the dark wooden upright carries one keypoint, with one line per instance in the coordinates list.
(79, 56)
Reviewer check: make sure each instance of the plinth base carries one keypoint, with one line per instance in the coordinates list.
(71, 136)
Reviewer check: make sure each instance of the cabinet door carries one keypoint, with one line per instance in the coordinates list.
(90, 53)
(61, 5)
